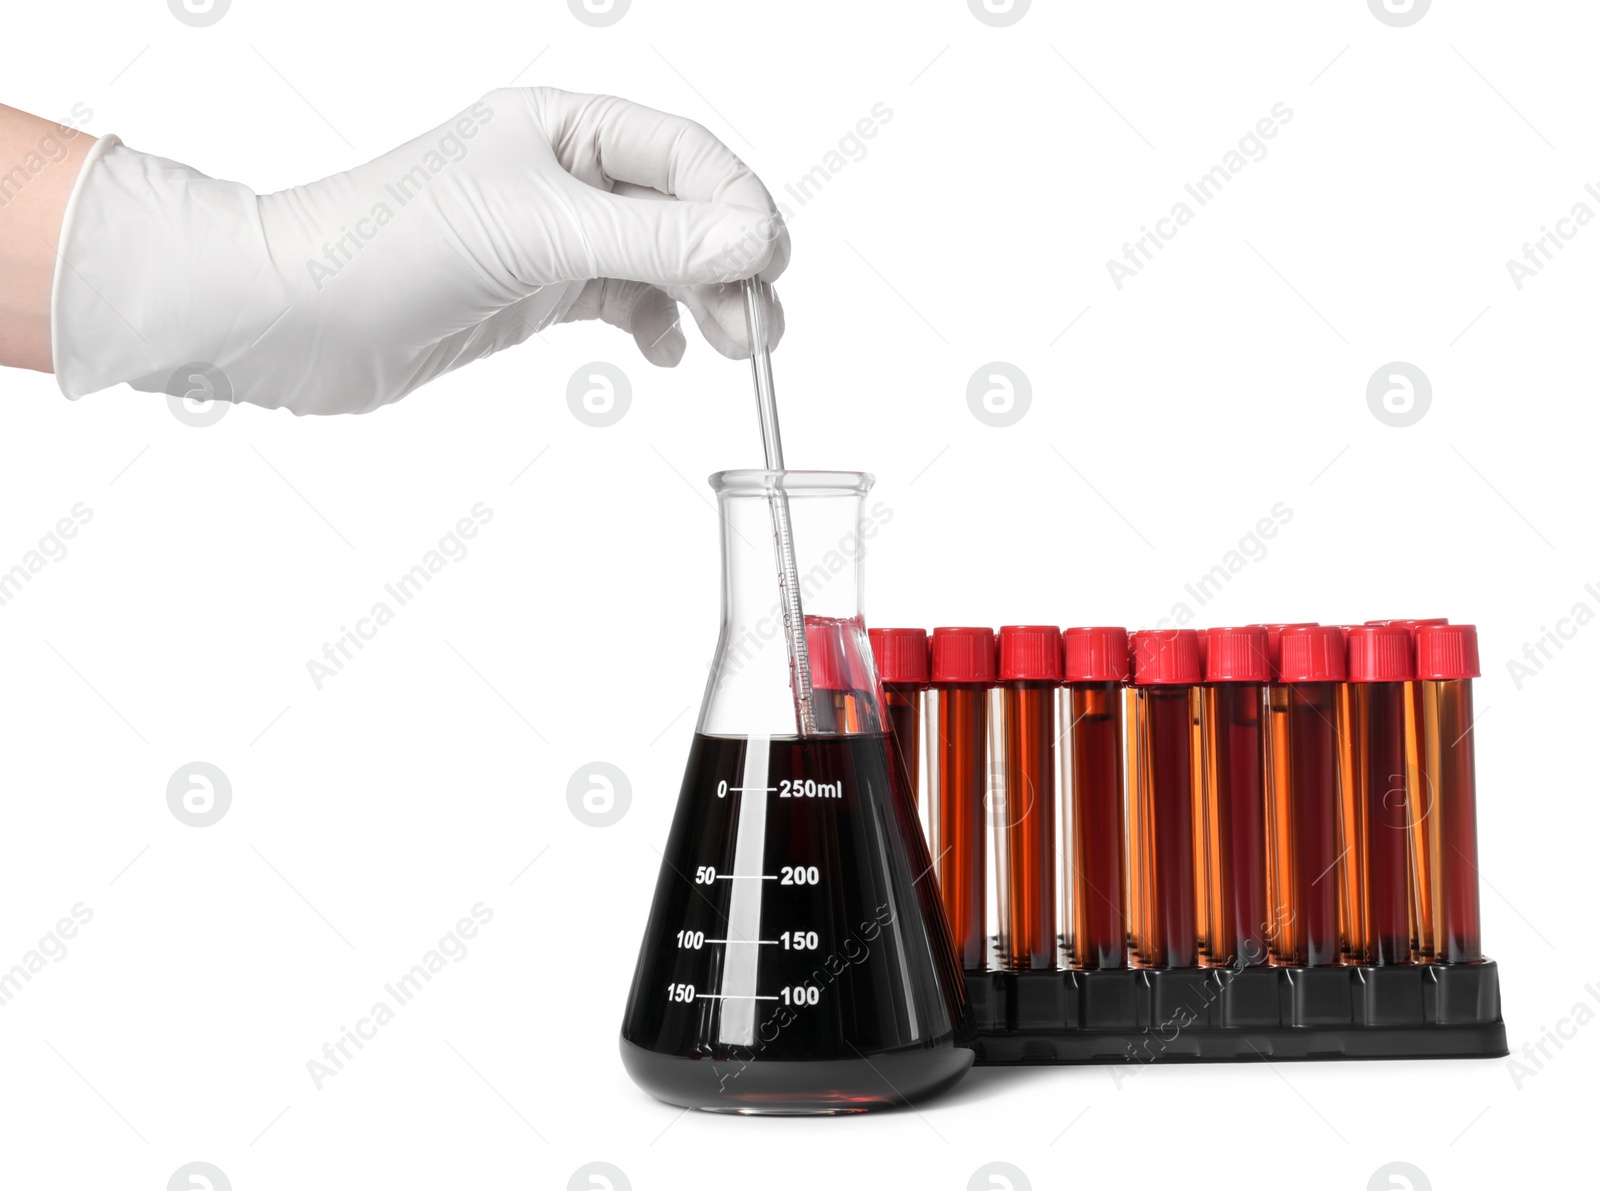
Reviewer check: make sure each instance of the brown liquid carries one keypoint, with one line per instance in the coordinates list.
(902, 706)
(1283, 909)
(1445, 729)
(1137, 869)
(1099, 933)
(1420, 797)
(831, 986)
(1028, 830)
(958, 775)
(1352, 830)
(1313, 784)
(1235, 888)
(1166, 832)
(1380, 747)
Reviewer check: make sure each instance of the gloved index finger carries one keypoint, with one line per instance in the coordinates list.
(628, 142)
(672, 154)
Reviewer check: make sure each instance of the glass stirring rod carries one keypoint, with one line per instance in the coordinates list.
(794, 621)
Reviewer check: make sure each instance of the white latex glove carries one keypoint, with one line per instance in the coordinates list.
(534, 206)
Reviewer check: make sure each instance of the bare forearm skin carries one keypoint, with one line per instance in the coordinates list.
(39, 162)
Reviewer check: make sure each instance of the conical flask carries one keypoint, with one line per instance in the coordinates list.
(796, 958)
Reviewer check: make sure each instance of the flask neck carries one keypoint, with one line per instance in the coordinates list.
(751, 687)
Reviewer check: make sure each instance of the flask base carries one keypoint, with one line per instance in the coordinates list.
(819, 1087)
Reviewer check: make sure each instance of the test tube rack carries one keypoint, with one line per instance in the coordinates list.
(1031, 1010)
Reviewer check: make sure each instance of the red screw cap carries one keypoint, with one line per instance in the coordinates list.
(1030, 653)
(1275, 636)
(1446, 651)
(825, 652)
(1380, 653)
(1311, 653)
(1235, 655)
(901, 654)
(962, 655)
(1166, 657)
(1096, 655)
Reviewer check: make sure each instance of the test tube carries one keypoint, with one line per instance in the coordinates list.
(1234, 885)
(961, 669)
(1166, 689)
(1418, 804)
(1095, 670)
(901, 656)
(1279, 810)
(1381, 665)
(1311, 665)
(1352, 824)
(1447, 662)
(1135, 800)
(840, 696)
(1025, 818)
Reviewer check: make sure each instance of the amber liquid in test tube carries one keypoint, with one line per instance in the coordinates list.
(1197, 808)
(1025, 817)
(1380, 670)
(1311, 665)
(961, 670)
(1354, 911)
(1136, 870)
(1166, 683)
(1233, 822)
(1419, 805)
(901, 657)
(1352, 825)
(1096, 670)
(1447, 662)
(1279, 809)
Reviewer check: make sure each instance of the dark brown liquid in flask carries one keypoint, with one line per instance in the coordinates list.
(796, 959)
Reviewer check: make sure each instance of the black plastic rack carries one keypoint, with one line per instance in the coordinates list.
(1423, 1011)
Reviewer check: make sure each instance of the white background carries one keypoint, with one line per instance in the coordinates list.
(368, 816)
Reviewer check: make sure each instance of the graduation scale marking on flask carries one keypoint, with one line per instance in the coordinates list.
(803, 966)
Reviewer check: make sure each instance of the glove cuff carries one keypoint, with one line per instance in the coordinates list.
(103, 145)
(158, 267)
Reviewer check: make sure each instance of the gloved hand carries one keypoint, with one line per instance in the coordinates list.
(534, 206)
